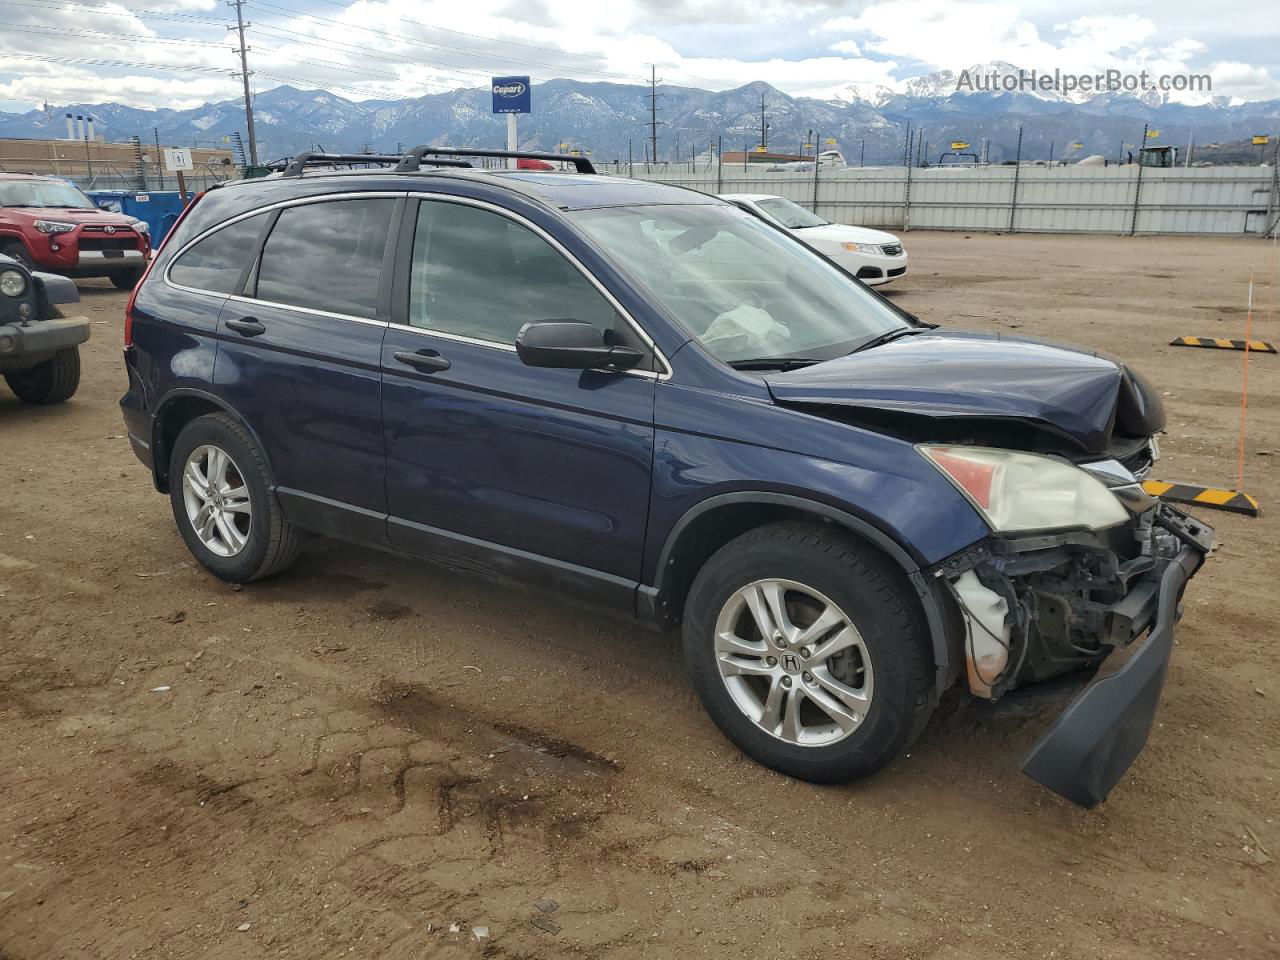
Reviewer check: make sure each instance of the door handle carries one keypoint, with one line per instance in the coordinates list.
(426, 362)
(247, 326)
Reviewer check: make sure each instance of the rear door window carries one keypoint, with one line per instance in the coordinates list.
(327, 256)
(216, 263)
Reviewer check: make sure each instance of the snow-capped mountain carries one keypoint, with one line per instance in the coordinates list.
(611, 120)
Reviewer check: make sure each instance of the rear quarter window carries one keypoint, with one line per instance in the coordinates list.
(216, 263)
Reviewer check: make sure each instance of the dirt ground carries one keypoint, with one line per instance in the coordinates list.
(368, 758)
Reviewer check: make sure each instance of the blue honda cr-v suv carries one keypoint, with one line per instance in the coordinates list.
(648, 400)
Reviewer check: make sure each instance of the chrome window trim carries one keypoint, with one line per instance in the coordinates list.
(253, 301)
(664, 374)
(278, 205)
(630, 321)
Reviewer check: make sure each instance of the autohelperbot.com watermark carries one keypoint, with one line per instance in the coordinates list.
(1108, 81)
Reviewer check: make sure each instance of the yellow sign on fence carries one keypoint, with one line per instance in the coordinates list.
(1261, 140)
(1152, 134)
(959, 145)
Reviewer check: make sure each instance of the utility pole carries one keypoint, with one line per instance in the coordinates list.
(764, 127)
(159, 156)
(244, 75)
(653, 111)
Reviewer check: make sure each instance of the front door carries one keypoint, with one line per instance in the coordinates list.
(542, 474)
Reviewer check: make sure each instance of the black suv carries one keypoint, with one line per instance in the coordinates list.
(648, 400)
(39, 348)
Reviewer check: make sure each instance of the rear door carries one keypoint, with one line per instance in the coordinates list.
(542, 474)
(300, 358)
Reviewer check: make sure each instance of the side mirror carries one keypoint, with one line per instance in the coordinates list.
(571, 345)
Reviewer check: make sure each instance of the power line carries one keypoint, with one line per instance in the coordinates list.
(465, 51)
(112, 62)
(137, 38)
(343, 47)
(97, 34)
(476, 36)
(99, 8)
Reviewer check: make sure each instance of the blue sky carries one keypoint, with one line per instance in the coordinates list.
(177, 53)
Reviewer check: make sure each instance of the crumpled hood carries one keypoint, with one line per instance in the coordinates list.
(941, 374)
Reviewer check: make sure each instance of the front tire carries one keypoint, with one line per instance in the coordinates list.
(18, 251)
(53, 381)
(220, 491)
(126, 279)
(809, 652)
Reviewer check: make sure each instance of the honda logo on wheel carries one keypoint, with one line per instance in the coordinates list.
(790, 662)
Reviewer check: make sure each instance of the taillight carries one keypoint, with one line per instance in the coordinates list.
(133, 297)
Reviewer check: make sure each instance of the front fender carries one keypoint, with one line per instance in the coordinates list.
(57, 289)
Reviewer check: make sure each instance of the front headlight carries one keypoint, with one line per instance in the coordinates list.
(1023, 491)
(54, 226)
(862, 247)
(13, 283)
(142, 227)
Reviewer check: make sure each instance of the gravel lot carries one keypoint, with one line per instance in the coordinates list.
(370, 758)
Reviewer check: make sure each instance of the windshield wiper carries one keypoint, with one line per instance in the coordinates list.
(886, 337)
(773, 363)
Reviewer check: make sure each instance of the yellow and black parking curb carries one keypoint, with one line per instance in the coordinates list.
(1215, 498)
(1222, 343)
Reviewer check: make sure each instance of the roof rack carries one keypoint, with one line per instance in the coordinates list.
(413, 159)
(314, 158)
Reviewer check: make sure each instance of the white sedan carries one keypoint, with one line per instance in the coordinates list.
(873, 256)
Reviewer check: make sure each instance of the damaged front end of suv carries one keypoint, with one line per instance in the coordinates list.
(1080, 562)
(1040, 604)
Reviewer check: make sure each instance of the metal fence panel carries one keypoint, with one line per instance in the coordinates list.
(1199, 200)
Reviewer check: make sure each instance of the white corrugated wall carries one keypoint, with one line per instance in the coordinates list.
(1198, 200)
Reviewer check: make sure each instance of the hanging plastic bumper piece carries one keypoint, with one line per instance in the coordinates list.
(1100, 733)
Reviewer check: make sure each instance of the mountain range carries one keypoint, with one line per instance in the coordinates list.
(610, 119)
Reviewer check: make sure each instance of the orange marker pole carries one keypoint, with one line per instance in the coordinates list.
(1244, 388)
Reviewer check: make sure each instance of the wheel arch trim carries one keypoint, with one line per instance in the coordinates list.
(160, 455)
(931, 598)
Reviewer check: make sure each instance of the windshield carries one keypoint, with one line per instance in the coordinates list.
(744, 289)
(790, 215)
(42, 193)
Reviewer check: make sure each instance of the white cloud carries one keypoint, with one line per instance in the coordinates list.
(953, 34)
(399, 48)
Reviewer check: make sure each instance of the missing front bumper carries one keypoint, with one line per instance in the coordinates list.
(1100, 733)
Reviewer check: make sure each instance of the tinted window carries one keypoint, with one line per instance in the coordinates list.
(327, 256)
(479, 274)
(216, 262)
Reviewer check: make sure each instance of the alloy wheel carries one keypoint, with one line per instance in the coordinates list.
(793, 662)
(217, 500)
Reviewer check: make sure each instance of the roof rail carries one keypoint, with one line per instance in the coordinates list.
(314, 158)
(413, 159)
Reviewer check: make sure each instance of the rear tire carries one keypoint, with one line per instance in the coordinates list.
(52, 381)
(826, 719)
(249, 538)
(126, 279)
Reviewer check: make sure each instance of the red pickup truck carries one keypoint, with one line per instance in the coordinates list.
(49, 224)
